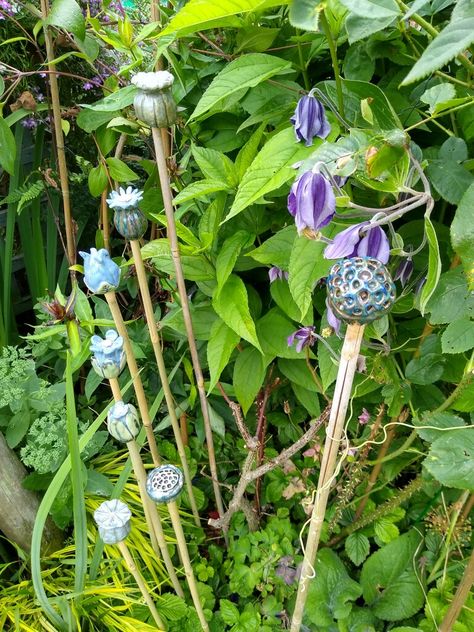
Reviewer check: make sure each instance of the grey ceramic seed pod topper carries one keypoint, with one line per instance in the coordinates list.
(113, 519)
(164, 483)
(360, 289)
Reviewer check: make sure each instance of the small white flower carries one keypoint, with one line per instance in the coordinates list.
(151, 81)
(124, 198)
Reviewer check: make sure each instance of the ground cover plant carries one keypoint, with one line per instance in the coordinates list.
(197, 214)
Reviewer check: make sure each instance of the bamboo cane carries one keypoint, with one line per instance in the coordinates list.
(460, 597)
(360, 290)
(164, 484)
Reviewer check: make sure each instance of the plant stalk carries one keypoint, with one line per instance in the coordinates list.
(111, 299)
(127, 556)
(335, 64)
(460, 597)
(174, 246)
(156, 344)
(342, 393)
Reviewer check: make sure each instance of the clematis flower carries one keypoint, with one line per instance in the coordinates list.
(311, 201)
(310, 120)
(124, 199)
(404, 271)
(353, 242)
(109, 357)
(101, 274)
(364, 416)
(333, 320)
(277, 273)
(305, 337)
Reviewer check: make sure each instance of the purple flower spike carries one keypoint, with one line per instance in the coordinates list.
(310, 120)
(404, 271)
(353, 242)
(311, 201)
(277, 273)
(305, 337)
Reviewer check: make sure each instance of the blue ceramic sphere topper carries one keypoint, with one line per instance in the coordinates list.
(128, 219)
(360, 289)
(108, 359)
(101, 274)
(123, 422)
(164, 483)
(113, 520)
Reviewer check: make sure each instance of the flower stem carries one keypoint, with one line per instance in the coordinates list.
(304, 70)
(174, 246)
(335, 64)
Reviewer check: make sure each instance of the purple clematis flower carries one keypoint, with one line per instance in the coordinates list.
(333, 320)
(277, 273)
(404, 271)
(353, 242)
(311, 201)
(310, 120)
(305, 337)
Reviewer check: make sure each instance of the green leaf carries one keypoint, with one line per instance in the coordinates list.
(273, 330)
(120, 171)
(246, 71)
(7, 147)
(451, 299)
(89, 120)
(389, 582)
(282, 296)
(231, 304)
(450, 179)
(196, 267)
(67, 14)
(458, 336)
(304, 14)
(272, 167)
(438, 94)
(434, 265)
(385, 530)
(450, 459)
(373, 9)
(199, 189)
(171, 607)
(438, 420)
(198, 15)
(228, 253)
(249, 372)
(462, 233)
(307, 399)
(97, 180)
(248, 152)
(229, 612)
(357, 547)
(331, 593)
(426, 369)
(119, 99)
(359, 28)
(18, 427)
(222, 342)
(453, 40)
(307, 265)
(276, 250)
(215, 165)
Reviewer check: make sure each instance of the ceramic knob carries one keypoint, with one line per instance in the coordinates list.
(113, 520)
(108, 359)
(123, 422)
(164, 483)
(360, 289)
(154, 104)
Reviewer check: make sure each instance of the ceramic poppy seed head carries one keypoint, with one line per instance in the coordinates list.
(360, 289)
(164, 483)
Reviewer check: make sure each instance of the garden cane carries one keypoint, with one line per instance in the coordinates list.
(164, 485)
(113, 520)
(132, 224)
(154, 104)
(360, 290)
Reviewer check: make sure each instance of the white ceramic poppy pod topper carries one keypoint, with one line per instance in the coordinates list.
(154, 104)
(113, 520)
(165, 483)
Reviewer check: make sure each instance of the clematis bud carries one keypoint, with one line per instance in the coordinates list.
(128, 219)
(108, 358)
(310, 120)
(404, 271)
(113, 519)
(277, 273)
(154, 104)
(360, 240)
(101, 274)
(311, 201)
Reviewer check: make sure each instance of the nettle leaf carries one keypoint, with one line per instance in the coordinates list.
(249, 372)
(272, 167)
(67, 14)
(451, 300)
(304, 14)
(246, 71)
(458, 336)
(437, 420)
(373, 8)
(450, 179)
(462, 232)
(450, 459)
(172, 607)
(389, 582)
(331, 593)
(359, 28)
(438, 94)
(222, 342)
(276, 250)
(434, 265)
(357, 547)
(231, 304)
(426, 369)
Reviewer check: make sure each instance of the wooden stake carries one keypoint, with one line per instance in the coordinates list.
(156, 344)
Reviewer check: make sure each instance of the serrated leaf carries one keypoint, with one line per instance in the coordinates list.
(434, 265)
(276, 250)
(450, 179)
(215, 165)
(453, 40)
(304, 14)
(438, 94)
(119, 99)
(67, 14)
(436, 420)
(373, 9)
(357, 547)
(450, 459)
(246, 71)
(458, 336)
(229, 612)
(272, 167)
(231, 304)
(200, 189)
(462, 233)
(171, 607)
(451, 299)
(222, 342)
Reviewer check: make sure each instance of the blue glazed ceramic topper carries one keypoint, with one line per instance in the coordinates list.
(164, 483)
